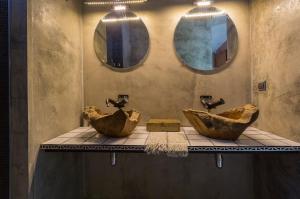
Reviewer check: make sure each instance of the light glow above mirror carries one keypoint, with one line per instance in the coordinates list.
(120, 7)
(205, 14)
(203, 3)
(120, 19)
(100, 3)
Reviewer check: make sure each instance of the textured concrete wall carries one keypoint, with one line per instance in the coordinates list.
(162, 86)
(18, 100)
(275, 50)
(277, 176)
(4, 101)
(55, 92)
(58, 175)
(159, 88)
(275, 55)
(148, 177)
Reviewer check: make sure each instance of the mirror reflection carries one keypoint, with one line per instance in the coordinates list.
(206, 39)
(121, 40)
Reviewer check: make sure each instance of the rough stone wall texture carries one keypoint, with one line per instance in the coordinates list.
(55, 92)
(162, 86)
(148, 177)
(275, 52)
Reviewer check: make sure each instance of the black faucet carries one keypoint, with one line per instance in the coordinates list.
(208, 102)
(119, 103)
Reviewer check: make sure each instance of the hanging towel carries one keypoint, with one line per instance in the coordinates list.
(174, 144)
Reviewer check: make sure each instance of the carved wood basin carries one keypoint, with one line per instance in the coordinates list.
(228, 125)
(119, 124)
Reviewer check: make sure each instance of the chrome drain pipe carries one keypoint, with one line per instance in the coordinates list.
(113, 159)
(219, 160)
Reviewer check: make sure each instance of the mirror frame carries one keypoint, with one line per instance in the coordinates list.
(130, 68)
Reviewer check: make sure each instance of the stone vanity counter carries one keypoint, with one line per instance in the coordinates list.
(87, 139)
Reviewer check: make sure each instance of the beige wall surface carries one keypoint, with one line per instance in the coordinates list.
(147, 177)
(275, 55)
(276, 176)
(162, 86)
(18, 112)
(54, 90)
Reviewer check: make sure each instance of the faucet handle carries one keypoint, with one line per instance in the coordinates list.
(205, 100)
(206, 97)
(123, 97)
(222, 101)
(119, 103)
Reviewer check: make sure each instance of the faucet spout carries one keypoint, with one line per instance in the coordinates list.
(216, 103)
(119, 103)
(208, 103)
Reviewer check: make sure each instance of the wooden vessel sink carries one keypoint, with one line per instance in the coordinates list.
(119, 124)
(228, 125)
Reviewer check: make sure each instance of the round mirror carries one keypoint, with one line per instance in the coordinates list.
(206, 39)
(121, 40)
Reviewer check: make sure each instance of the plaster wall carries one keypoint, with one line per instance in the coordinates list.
(162, 86)
(276, 176)
(18, 109)
(159, 88)
(147, 176)
(275, 52)
(54, 94)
